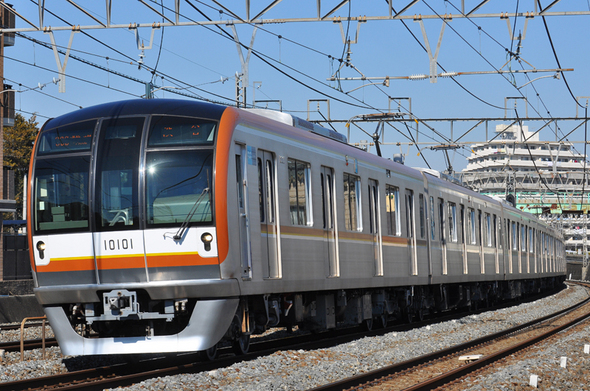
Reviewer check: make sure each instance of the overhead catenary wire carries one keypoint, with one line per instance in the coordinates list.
(324, 95)
(168, 77)
(510, 51)
(73, 77)
(313, 89)
(555, 55)
(120, 74)
(160, 46)
(365, 106)
(38, 90)
(541, 177)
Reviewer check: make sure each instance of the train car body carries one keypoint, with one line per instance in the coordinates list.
(167, 226)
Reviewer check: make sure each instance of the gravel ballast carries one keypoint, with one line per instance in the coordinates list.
(302, 370)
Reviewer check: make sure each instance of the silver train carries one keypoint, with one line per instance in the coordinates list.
(169, 226)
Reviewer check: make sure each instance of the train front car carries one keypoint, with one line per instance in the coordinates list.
(125, 252)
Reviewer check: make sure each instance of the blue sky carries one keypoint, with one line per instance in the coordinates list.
(197, 58)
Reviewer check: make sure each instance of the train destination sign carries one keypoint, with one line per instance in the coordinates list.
(70, 138)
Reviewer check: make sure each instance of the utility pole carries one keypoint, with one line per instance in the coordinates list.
(6, 20)
(240, 90)
(3, 14)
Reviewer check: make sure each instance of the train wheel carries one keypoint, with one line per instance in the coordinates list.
(241, 345)
(209, 354)
(383, 321)
(368, 324)
(408, 315)
(420, 315)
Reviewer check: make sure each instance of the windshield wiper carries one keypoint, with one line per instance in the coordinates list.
(190, 215)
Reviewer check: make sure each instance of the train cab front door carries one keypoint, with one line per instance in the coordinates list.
(329, 222)
(375, 225)
(244, 216)
(410, 231)
(443, 239)
(269, 235)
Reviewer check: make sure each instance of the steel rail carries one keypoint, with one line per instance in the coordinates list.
(15, 346)
(358, 380)
(465, 370)
(124, 374)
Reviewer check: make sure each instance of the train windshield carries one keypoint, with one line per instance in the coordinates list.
(61, 194)
(117, 174)
(178, 181)
(178, 171)
(178, 186)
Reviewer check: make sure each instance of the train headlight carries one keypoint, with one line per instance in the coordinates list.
(207, 238)
(41, 248)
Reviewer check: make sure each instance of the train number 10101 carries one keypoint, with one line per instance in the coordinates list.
(118, 244)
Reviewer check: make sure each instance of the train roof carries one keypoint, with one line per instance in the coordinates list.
(140, 106)
(299, 123)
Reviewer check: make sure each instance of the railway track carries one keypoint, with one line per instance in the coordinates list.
(7, 327)
(440, 368)
(133, 372)
(153, 367)
(14, 346)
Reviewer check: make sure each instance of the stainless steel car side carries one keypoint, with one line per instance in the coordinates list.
(168, 226)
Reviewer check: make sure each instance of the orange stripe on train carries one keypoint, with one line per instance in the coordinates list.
(126, 262)
(183, 259)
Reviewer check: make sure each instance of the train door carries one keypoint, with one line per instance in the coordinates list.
(506, 242)
(443, 239)
(431, 235)
(463, 241)
(268, 220)
(329, 221)
(410, 230)
(374, 225)
(530, 251)
(545, 253)
(481, 242)
(537, 249)
(244, 215)
(521, 254)
(119, 246)
(508, 245)
(496, 243)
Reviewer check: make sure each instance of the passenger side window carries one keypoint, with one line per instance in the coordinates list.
(514, 236)
(392, 210)
(441, 219)
(410, 213)
(422, 216)
(453, 222)
(299, 192)
(352, 203)
(432, 219)
(472, 226)
(488, 230)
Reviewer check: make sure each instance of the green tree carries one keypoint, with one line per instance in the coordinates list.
(18, 145)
